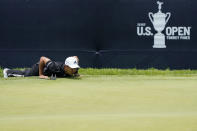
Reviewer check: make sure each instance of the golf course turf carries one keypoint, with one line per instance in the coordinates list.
(99, 103)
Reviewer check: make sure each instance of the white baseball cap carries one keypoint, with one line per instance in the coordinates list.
(72, 62)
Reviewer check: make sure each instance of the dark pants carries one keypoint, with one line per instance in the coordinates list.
(33, 71)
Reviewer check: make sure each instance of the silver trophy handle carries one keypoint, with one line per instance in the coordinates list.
(150, 15)
(168, 15)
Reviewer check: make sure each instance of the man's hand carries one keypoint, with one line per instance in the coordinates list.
(76, 75)
(43, 77)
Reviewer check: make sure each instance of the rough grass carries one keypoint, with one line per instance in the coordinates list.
(99, 103)
(151, 71)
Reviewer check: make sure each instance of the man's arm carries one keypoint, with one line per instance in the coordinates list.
(43, 61)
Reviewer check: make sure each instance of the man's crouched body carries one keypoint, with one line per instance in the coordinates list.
(46, 67)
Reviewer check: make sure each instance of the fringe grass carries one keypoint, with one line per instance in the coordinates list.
(149, 72)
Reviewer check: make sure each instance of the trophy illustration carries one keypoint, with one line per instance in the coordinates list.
(159, 21)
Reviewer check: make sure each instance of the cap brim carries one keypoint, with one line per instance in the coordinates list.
(74, 66)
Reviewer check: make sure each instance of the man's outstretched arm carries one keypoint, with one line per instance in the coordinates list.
(43, 61)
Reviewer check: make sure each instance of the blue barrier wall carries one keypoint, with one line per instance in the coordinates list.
(103, 33)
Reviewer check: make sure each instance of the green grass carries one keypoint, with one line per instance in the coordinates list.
(98, 102)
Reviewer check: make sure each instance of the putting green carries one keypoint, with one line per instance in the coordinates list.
(99, 103)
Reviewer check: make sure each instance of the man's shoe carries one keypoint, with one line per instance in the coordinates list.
(5, 74)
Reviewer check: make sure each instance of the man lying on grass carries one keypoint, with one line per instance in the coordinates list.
(46, 67)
